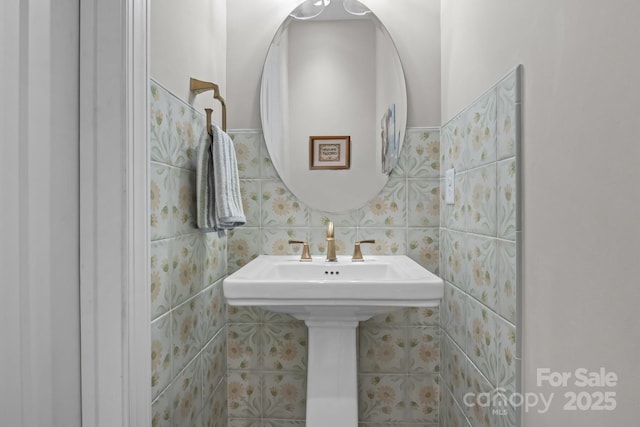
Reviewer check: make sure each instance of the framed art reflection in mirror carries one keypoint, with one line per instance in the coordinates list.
(329, 152)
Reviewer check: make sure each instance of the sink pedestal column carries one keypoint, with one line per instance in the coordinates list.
(332, 385)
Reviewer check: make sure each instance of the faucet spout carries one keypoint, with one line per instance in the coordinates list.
(331, 243)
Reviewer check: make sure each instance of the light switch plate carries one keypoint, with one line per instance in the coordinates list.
(450, 186)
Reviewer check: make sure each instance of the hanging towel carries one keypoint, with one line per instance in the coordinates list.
(218, 199)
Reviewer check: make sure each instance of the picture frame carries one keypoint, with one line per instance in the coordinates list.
(329, 152)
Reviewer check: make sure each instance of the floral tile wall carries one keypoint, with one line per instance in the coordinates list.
(404, 218)
(188, 314)
(479, 243)
(399, 364)
(415, 365)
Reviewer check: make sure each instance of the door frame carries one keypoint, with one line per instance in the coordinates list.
(114, 285)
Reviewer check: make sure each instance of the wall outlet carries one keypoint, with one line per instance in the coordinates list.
(450, 186)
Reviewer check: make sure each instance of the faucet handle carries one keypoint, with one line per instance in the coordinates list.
(357, 253)
(306, 254)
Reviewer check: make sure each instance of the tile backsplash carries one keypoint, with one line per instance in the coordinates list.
(479, 237)
(399, 357)
(188, 319)
(216, 366)
(403, 218)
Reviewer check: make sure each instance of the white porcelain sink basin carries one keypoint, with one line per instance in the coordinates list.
(332, 297)
(316, 289)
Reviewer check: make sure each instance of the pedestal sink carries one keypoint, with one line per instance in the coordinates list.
(332, 297)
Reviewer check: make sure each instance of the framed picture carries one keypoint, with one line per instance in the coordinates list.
(329, 152)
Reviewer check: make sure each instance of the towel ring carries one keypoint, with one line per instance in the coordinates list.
(198, 86)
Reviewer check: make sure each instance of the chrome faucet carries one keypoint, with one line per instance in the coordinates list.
(331, 243)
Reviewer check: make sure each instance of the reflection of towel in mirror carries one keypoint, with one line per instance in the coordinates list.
(219, 202)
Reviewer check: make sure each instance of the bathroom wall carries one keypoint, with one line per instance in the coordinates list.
(399, 353)
(580, 202)
(189, 39)
(404, 220)
(188, 314)
(188, 328)
(478, 259)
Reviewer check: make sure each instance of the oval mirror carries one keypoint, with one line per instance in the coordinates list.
(333, 104)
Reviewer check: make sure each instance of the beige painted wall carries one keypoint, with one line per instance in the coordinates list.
(581, 202)
(252, 24)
